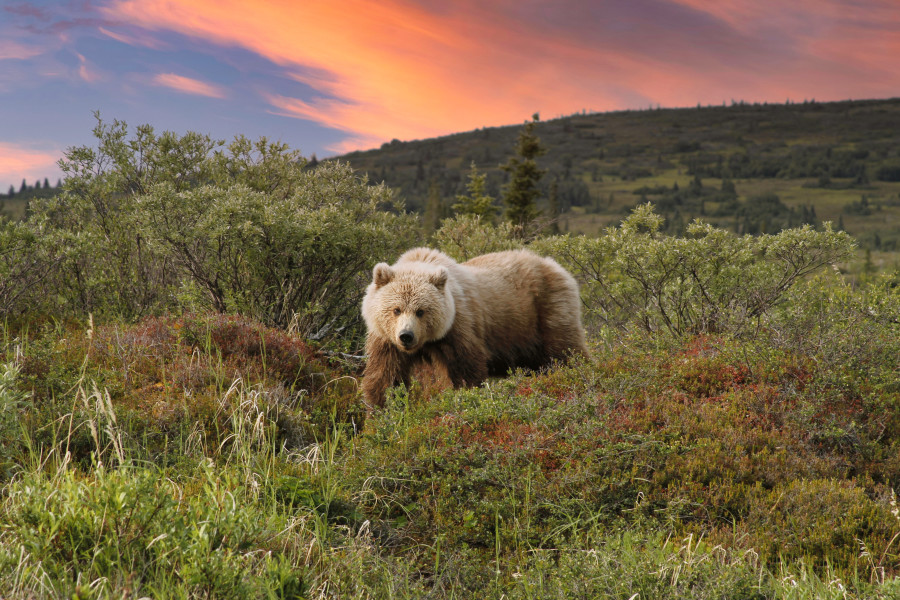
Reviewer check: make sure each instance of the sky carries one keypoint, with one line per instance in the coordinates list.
(331, 76)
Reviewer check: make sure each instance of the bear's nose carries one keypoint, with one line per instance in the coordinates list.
(406, 337)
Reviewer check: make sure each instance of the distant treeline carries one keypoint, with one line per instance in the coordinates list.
(26, 189)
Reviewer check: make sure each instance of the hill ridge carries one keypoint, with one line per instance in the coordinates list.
(812, 155)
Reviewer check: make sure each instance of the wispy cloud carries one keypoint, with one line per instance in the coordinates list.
(24, 9)
(86, 71)
(14, 50)
(132, 38)
(188, 85)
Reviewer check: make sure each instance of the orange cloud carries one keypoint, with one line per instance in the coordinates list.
(189, 86)
(393, 69)
(18, 162)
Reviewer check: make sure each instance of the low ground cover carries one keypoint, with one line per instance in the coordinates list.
(213, 456)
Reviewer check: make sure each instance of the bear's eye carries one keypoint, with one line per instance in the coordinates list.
(419, 313)
(397, 312)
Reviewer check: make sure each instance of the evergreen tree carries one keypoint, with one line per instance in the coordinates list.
(696, 186)
(553, 198)
(12, 191)
(46, 184)
(476, 202)
(433, 209)
(24, 187)
(727, 187)
(420, 170)
(522, 192)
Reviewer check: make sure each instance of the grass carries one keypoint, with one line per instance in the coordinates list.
(209, 456)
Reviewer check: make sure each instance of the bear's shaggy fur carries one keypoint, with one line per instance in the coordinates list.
(483, 317)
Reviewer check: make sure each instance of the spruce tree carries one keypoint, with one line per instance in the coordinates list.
(522, 191)
(554, 206)
(433, 207)
(476, 202)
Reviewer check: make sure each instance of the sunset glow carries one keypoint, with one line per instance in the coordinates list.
(332, 76)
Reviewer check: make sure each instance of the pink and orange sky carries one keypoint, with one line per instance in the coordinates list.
(329, 76)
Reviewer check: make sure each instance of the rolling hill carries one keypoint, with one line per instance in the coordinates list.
(750, 168)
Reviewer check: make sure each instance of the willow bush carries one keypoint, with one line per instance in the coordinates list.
(710, 281)
(149, 223)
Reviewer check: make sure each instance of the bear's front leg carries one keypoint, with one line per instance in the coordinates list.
(386, 366)
(466, 365)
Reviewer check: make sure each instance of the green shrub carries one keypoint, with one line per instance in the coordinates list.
(25, 263)
(467, 236)
(301, 260)
(828, 519)
(709, 281)
(162, 222)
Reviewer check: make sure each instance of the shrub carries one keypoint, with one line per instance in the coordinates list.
(300, 258)
(24, 266)
(710, 281)
(105, 265)
(159, 222)
(467, 236)
(889, 172)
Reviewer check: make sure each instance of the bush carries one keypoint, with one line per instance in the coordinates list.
(890, 172)
(300, 259)
(467, 236)
(710, 281)
(162, 222)
(24, 266)
(105, 266)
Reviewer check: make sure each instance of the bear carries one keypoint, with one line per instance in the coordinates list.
(480, 318)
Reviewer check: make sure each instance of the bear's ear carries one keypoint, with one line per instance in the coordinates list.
(439, 278)
(382, 274)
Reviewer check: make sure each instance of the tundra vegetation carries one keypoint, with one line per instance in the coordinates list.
(180, 413)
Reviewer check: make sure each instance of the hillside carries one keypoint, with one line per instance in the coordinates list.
(749, 168)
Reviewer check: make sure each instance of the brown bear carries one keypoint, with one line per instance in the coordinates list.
(483, 317)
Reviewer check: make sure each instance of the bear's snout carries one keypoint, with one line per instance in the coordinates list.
(407, 338)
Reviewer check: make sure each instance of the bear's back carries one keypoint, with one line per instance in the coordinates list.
(425, 255)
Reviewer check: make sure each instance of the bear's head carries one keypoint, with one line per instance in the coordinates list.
(409, 305)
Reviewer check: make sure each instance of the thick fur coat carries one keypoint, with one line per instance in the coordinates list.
(483, 317)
